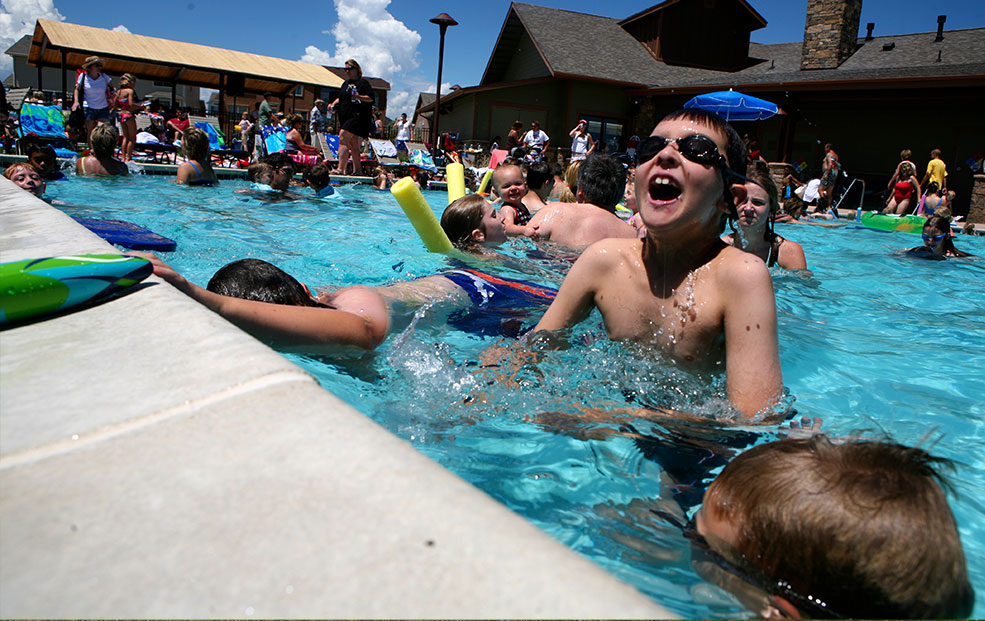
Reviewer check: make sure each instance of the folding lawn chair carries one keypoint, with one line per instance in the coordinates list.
(420, 157)
(385, 151)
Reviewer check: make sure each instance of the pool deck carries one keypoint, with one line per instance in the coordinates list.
(157, 462)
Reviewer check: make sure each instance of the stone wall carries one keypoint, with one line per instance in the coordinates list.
(831, 33)
(976, 210)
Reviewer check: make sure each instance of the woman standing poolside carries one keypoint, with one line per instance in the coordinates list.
(582, 142)
(756, 215)
(94, 93)
(355, 110)
(905, 190)
(126, 103)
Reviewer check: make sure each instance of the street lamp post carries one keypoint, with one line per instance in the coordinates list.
(443, 20)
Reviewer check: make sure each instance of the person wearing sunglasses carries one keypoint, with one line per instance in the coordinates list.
(681, 290)
(809, 527)
(355, 112)
(938, 243)
(756, 216)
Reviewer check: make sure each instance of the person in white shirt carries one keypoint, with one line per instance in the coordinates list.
(93, 91)
(536, 138)
(582, 142)
(404, 128)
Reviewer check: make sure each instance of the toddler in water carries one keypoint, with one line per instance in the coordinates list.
(811, 528)
(512, 187)
(681, 289)
(318, 178)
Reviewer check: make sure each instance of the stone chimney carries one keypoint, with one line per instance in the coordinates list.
(831, 33)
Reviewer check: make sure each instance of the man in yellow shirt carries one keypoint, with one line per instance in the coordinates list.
(936, 171)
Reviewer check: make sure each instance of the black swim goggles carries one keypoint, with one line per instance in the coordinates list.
(696, 147)
(735, 563)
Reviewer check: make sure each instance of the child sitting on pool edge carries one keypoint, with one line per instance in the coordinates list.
(681, 289)
(859, 529)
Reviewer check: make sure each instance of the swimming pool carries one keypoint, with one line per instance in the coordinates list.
(870, 341)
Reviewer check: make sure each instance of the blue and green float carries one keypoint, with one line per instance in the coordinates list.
(36, 287)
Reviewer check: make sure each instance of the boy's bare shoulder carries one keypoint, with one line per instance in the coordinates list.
(612, 251)
(737, 270)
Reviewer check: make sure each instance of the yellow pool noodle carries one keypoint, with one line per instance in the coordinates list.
(419, 213)
(486, 178)
(455, 173)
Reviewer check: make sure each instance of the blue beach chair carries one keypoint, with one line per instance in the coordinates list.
(44, 124)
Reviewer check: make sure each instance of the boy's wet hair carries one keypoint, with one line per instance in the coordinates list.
(257, 280)
(13, 168)
(104, 139)
(602, 180)
(195, 144)
(538, 173)
(279, 160)
(258, 170)
(317, 176)
(863, 526)
(462, 217)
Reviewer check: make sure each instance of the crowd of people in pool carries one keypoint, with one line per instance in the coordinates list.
(805, 526)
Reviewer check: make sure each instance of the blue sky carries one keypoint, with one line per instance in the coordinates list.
(393, 39)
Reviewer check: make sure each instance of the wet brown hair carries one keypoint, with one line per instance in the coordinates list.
(461, 218)
(862, 525)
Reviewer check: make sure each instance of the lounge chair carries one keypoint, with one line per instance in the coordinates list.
(385, 151)
(329, 145)
(420, 157)
(275, 139)
(217, 142)
(44, 124)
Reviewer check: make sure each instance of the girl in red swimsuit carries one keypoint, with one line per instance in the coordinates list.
(903, 191)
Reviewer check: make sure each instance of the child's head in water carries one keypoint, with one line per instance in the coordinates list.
(472, 220)
(509, 183)
(317, 177)
(858, 529)
(757, 211)
(257, 280)
(260, 172)
(26, 177)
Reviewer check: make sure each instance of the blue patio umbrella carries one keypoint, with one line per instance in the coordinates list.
(734, 106)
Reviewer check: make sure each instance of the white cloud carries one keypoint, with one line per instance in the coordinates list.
(17, 19)
(122, 28)
(383, 46)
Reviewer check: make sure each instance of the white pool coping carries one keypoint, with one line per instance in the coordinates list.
(157, 462)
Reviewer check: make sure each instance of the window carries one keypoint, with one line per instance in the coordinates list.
(607, 132)
(299, 91)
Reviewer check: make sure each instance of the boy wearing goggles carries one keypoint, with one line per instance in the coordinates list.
(680, 288)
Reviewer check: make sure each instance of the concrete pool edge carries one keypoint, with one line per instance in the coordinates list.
(155, 461)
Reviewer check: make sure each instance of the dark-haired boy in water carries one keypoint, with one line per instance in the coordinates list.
(681, 289)
(270, 304)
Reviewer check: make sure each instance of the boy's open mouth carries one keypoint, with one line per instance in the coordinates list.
(663, 189)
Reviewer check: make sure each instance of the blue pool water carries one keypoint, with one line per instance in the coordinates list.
(871, 340)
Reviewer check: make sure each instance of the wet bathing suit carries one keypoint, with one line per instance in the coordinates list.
(522, 213)
(200, 180)
(499, 304)
(902, 191)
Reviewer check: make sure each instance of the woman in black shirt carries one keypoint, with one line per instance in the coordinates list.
(355, 112)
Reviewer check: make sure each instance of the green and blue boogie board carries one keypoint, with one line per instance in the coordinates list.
(36, 287)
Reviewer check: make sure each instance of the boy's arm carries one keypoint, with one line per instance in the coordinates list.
(752, 360)
(307, 328)
(576, 297)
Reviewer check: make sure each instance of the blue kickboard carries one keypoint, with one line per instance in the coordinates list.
(127, 234)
